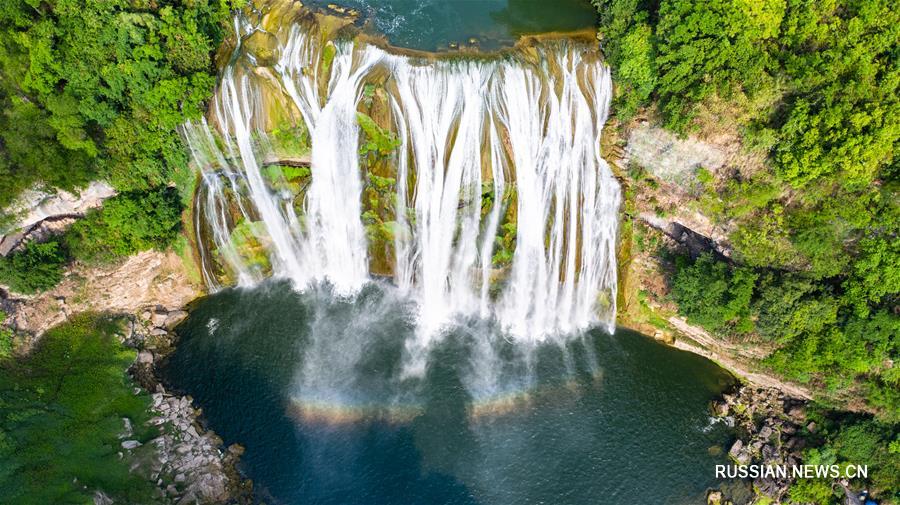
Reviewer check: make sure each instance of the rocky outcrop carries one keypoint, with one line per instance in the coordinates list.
(769, 424)
(670, 158)
(39, 213)
(147, 279)
(664, 172)
(738, 359)
(191, 464)
(190, 460)
(696, 243)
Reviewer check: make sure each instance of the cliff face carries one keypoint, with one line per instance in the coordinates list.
(147, 279)
(37, 214)
(663, 214)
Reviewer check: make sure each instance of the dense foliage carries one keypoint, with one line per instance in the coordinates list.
(842, 439)
(61, 411)
(713, 295)
(816, 235)
(96, 89)
(36, 267)
(126, 224)
(815, 273)
(819, 339)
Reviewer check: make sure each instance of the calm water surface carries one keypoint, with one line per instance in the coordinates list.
(315, 389)
(434, 24)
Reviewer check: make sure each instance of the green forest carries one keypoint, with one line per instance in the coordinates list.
(817, 237)
(96, 90)
(815, 88)
(91, 90)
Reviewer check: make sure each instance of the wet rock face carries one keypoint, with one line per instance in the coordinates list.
(769, 423)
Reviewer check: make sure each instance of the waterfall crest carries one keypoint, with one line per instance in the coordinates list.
(498, 203)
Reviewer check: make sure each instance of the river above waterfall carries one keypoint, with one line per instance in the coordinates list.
(312, 386)
(436, 24)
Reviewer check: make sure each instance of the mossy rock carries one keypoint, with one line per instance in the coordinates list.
(263, 46)
(250, 241)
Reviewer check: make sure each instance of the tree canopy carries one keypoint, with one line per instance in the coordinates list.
(95, 89)
(816, 235)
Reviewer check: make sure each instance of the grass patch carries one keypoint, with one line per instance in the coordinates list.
(61, 411)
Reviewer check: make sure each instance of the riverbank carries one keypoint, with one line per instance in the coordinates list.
(646, 238)
(194, 465)
(666, 227)
(186, 461)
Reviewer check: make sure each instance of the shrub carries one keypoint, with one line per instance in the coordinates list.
(126, 224)
(714, 295)
(38, 267)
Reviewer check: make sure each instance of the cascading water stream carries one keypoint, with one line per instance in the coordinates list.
(487, 150)
(335, 246)
(442, 235)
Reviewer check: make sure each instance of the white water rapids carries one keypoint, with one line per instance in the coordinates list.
(524, 126)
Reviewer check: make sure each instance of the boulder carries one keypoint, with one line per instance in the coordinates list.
(714, 497)
(158, 318)
(767, 487)
(739, 453)
(128, 430)
(235, 449)
(174, 319)
(100, 498)
(130, 444)
(797, 414)
(720, 409)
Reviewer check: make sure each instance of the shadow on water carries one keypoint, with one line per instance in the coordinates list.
(312, 387)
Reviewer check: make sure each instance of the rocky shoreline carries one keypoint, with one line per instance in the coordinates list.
(187, 462)
(772, 430)
(769, 424)
(192, 464)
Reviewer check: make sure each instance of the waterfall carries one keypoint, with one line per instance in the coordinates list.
(502, 207)
(335, 247)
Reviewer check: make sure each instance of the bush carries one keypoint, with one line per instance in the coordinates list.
(789, 307)
(859, 440)
(714, 295)
(38, 267)
(126, 224)
(6, 338)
